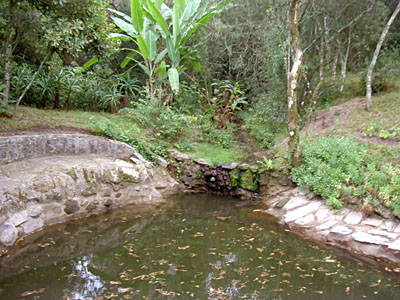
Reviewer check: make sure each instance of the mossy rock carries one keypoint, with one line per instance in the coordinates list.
(249, 180)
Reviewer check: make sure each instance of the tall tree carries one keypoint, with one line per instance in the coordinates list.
(376, 54)
(293, 128)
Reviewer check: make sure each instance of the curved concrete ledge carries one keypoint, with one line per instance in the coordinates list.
(17, 148)
(371, 239)
(54, 178)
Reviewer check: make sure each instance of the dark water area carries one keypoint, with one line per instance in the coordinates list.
(194, 247)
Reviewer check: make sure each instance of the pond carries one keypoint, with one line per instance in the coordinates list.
(193, 247)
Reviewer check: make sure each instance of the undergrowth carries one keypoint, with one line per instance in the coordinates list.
(337, 168)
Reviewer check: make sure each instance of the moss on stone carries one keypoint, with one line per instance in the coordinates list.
(234, 178)
(249, 180)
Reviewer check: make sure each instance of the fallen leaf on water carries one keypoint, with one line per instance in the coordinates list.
(183, 248)
(34, 292)
(376, 284)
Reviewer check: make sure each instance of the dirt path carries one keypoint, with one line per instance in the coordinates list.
(44, 129)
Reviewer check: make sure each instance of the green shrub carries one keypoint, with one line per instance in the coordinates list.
(329, 165)
(334, 167)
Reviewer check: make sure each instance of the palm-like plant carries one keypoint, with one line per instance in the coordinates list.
(111, 99)
(158, 29)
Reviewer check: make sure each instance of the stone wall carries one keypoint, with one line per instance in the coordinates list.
(237, 180)
(56, 178)
(16, 148)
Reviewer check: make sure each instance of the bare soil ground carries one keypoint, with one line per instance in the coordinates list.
(43, 129)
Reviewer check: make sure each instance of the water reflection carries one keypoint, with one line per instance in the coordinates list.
(196, 247)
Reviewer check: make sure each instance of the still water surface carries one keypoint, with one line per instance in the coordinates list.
(194, 247)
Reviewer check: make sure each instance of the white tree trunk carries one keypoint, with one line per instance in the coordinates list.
(33, 79)
(345, 59)
(334, 68)
(376, 54)
(294, 147)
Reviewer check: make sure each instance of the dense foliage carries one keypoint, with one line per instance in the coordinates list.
(338, 168)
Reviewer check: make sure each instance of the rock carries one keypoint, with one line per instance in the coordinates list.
(202, 162)
(353, 218)
(296, 202)
(301, 211)
(19, 218)
(343, 230)
(389, 235)
(108, 202)
(8, 234)
(364, 237)
(305, 221)
(326, 225)
(394, 246)
(389, 225)
(300, 191)
(89, 191)
(51, 211)
(32, 225)
(71, 206)
(178, 155)
(281, 203)
(35, 211)
(323, 214)
(162, 162)
(372, 222)
(43, 185)
(91, 206)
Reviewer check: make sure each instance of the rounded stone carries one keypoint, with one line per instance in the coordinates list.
(71, 206)
(8, 234)
(35, 211)
(108, 202)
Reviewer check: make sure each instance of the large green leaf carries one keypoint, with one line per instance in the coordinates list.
(125, 26)
(173, 77)
(175, 24)
(143, 46)
(161, 70)
(160, 56)
(157, 15)
(171, 50)
(87, 65)
(128, 58)
(151, 39)
(190, 9)
(137, 15)
(121, 14)
(120, 36)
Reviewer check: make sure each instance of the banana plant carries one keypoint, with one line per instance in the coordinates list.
(157, 30)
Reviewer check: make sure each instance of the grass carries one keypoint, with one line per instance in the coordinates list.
(215, 153)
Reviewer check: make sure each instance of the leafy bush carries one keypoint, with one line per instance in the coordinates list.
(329, 165)
(335, 167)
(266, 120)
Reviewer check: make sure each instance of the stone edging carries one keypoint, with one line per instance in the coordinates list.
(371, 239)
(17, 148)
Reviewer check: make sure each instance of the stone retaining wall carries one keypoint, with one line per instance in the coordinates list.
(48, 179)
(16, 148)
(237, 180)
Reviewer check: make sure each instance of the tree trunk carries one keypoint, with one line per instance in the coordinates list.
(294, 147)
(375, 57)
(7, 65)
(57, 104)
(32, 80)
(334, 68)
(344, 64)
